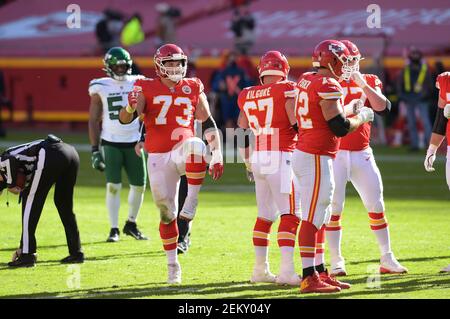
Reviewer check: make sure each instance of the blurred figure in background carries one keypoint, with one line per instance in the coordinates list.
(108, 29)
(228, 83)
(132, 32)
(414, 87)
(166, 23)
(4, 101)
(243, 28)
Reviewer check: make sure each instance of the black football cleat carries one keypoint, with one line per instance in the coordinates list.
(24, 260)
(131, 229)
(77, 258)
(182, 247)
(113, 235)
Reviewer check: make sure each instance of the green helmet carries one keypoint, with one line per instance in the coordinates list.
(117, 56)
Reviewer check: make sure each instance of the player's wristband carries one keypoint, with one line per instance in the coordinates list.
(94, 148)
(129, 109)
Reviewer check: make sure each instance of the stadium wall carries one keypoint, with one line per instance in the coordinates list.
(55, 89)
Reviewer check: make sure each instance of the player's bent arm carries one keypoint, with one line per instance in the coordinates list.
(95, 117)
(379, 103)
(439, 128)
(132, 111)
(290, 110)
(337, 122)
(203, 114)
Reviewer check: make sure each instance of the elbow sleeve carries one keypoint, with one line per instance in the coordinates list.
(440, 123)
(339, 125)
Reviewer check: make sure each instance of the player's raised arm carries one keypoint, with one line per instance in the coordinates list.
(379, 103)
(212, 135)
(135, 107)
(338, 123)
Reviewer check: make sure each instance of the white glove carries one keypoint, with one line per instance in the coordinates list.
(358, 78)
(365, 114)
(248, 172)
(447, 111)
(353, 107)
(430, 157)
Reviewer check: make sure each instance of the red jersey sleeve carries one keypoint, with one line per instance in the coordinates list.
(241, 99)
(329, 89)
(373, 81)
(291, 90)
(442, 84)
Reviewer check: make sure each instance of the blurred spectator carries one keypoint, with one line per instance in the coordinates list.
(245, 62)
(228, 83)
(438, 69)
(4, 102)
(132, 31)
(243, 28)
(166, 23)
(108, 29)
(415, 87)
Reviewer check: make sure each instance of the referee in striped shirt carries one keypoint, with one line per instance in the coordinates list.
(31, 170)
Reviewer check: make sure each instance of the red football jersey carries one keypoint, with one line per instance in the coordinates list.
(169, 112)
(264, 107)
(443, 84)
(360, 138)
(315, 137)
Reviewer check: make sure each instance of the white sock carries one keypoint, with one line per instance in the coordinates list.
(172, 256)
(383, 239)
(334, 238)
(287, 260)
(113, 203)
(190, 204)
(135, 199)
(261, 256)
(319, 259)
(307, 262)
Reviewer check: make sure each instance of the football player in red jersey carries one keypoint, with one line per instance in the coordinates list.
(169, 105)
(321, 121)
(441, 129)
(355, 162)
(269, 111)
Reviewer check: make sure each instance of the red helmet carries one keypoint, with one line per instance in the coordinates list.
(334, 56)
(273, 63)
(170, 52)
(354, 52)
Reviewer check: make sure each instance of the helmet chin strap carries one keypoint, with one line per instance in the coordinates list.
(332, 71)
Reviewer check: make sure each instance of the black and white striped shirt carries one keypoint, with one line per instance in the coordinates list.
(22, 157)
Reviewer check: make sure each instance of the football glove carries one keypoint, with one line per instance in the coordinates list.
(249, 173)
(97, 161)
(430, 158)
(353, 107)
(358, 78)
(366, 114)
(216, 165)
(447, 111)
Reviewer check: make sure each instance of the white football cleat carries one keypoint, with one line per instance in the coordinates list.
(446, 269)
(338, 267)
(262, 274)
(288, 279)
(390, 265)
(174, 273)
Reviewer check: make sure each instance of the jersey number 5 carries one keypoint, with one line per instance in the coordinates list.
(303, 110)
(166, 101)
(260, 105)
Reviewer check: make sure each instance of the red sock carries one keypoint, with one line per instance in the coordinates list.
(261, 232)
(195, 169)
(307, 243)
(169, 234)
(334, 224)
(377, 221)
(287, 230)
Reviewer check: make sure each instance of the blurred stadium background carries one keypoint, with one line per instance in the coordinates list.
(45, 69)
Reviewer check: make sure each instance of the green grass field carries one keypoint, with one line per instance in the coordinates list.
(220, 261)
